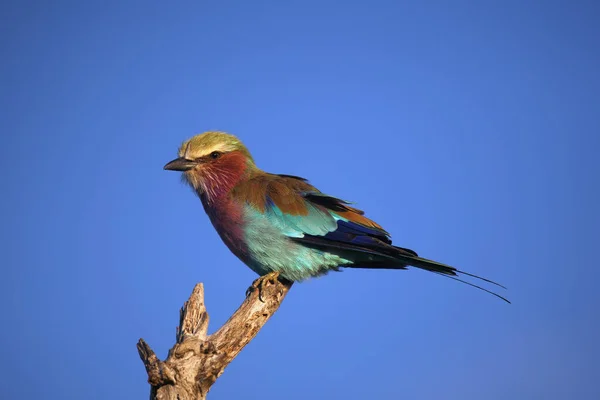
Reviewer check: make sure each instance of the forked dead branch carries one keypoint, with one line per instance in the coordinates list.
(198, 359)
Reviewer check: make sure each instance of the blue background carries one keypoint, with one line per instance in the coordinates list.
(469, 129)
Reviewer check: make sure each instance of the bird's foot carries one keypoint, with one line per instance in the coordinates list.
(260, 283)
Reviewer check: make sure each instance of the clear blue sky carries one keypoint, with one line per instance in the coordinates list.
(469, 129)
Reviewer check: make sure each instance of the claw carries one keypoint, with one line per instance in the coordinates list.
(260, 283)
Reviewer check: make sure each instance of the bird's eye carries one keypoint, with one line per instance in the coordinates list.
(215, 154)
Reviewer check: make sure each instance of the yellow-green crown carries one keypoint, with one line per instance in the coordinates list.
(207, 142)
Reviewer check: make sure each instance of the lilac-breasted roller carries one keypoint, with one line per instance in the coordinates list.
(283, 226)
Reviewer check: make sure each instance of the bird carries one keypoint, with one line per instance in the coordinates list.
(281, 226)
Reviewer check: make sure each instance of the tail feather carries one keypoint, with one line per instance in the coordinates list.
(432, 266)
(477, 286)
(444, 269)
(372, 253)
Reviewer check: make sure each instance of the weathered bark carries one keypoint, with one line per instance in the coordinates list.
(197, 360)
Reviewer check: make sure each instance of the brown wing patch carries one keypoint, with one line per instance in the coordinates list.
(357, 216)
(341, 208)
(286, 194)
(284, 191)
(291, 194)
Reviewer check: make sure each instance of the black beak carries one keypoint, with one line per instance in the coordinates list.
(180, 164)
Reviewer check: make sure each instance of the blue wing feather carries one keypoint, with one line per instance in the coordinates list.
(324, 223)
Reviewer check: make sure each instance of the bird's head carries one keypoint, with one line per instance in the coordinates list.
(212, 162)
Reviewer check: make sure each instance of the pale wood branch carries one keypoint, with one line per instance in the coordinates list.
(197, 359)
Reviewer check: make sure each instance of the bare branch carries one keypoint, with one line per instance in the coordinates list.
(197, 360)
(193, 317)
